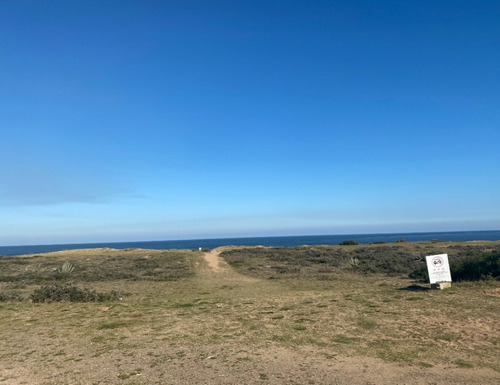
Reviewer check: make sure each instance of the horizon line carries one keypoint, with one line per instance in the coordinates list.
(250, 237)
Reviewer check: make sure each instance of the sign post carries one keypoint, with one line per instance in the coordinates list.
(439, 271)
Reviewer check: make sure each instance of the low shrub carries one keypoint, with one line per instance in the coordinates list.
(68, 293)
(486, 266)
(10, 297)
(468, 268)
(420, 274)
(310, 261)
(348, 243)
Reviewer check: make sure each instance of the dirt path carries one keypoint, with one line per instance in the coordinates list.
(212, 258)
(216, 272)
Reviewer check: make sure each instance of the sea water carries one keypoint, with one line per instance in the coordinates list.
(264, 241)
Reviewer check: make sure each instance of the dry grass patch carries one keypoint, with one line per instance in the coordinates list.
(228, 324)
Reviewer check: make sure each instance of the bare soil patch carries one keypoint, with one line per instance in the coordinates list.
(212, 258)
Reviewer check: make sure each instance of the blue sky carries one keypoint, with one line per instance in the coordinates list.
(152, 120)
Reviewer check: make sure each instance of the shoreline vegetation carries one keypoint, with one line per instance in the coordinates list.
(251, 314)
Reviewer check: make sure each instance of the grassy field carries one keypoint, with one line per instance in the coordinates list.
(304, 315)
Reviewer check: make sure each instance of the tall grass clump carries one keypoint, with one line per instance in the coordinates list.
(66, 268)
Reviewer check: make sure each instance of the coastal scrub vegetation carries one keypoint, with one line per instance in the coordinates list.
(323, 262)
(468, 268)
(168, 265)
(59, 276)
(348, 243)
(69, 293)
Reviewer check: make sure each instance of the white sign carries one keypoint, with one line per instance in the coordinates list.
(438, 268)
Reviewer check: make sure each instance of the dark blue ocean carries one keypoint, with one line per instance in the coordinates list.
(493, 235)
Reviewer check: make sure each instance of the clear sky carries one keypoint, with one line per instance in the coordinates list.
(153, 120)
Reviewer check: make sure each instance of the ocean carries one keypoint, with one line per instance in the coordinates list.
(492, 235)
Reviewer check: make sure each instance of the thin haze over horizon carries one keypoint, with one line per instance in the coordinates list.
(152, 120)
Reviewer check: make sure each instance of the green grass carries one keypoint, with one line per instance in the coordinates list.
(464, 364)
(367, 324)
(182, 305)
(112, 325)
(343, 339)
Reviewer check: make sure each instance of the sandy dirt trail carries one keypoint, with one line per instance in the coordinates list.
(212, 258)
(216, 271)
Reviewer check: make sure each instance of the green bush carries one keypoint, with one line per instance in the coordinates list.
(58, 293)
(486, 266)
(468, 268)
(348, 243)
(420, 274)
(10, 297)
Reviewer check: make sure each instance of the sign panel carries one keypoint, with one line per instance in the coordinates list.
(438, 268)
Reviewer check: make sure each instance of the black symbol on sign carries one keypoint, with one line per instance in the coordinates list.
(437, 261)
